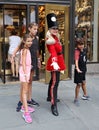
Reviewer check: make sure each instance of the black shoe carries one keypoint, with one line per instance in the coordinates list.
(49, 99)
(17, 78)
(32, 102)
(54, 110)
(19, 106)
(13, 77)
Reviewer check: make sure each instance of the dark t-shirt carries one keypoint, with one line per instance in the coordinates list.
(82, 58)
(33, 49)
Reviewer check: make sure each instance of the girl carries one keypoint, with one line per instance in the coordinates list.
(24, 74)
(35, 58)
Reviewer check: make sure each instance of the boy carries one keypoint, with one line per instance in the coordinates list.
(80, 71)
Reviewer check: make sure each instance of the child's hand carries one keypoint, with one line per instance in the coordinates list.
(39, 63)
(26, 78)
(31, 79)
(78, 70)
(25, 75)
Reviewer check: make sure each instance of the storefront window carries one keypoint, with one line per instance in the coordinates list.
(98, 32)
(32, 14)
(12, 17)
(1, 36)
(84, 25)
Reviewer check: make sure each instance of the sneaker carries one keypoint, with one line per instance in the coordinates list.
(49, 99)
(27, 117)
(32, 102)
(85, 97)
(19, 105)
(76, 102)
(29, 109)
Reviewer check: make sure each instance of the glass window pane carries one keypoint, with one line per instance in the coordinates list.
(1, 37)
(12, 17)
(32, 14)
(84, 17)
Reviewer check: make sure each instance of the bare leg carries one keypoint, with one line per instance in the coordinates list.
(84, 88)
(30, 86)
(30, 100)
(24, 95)
(21, 90)
(17, 68)
(77, 89)
(13, 68)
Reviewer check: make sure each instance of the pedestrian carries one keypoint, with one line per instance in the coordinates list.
(36, 63)
(24, 75)
(55, 62)
(80, 57)
(14, 42)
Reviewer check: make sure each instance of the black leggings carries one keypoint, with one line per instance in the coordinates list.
(53, 86)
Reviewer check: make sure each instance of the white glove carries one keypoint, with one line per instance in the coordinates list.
(62, 71)
(55, 65)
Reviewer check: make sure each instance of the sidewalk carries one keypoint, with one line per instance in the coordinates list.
(71, 117)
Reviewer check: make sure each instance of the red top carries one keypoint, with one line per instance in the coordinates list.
(76, 55)
(55, 50)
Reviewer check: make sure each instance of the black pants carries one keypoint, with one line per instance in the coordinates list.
(53, 86)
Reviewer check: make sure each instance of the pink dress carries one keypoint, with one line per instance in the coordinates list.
(28, 67)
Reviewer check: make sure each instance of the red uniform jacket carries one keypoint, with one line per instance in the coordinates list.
(55, 49)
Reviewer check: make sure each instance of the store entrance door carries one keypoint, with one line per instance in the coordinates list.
(62, 13)
(12, 17)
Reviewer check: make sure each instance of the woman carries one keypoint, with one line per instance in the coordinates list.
(55, 63)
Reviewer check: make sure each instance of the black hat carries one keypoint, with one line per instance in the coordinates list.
(52, 21)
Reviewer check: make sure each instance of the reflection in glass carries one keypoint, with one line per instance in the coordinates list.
(84, 17)
(1, 34)
(12, 17)
(32, 14)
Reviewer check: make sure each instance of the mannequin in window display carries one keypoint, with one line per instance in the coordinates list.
(55, 62)
(79, 32)
(14, 42)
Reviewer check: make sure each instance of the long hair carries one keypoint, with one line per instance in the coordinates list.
(24, 40)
